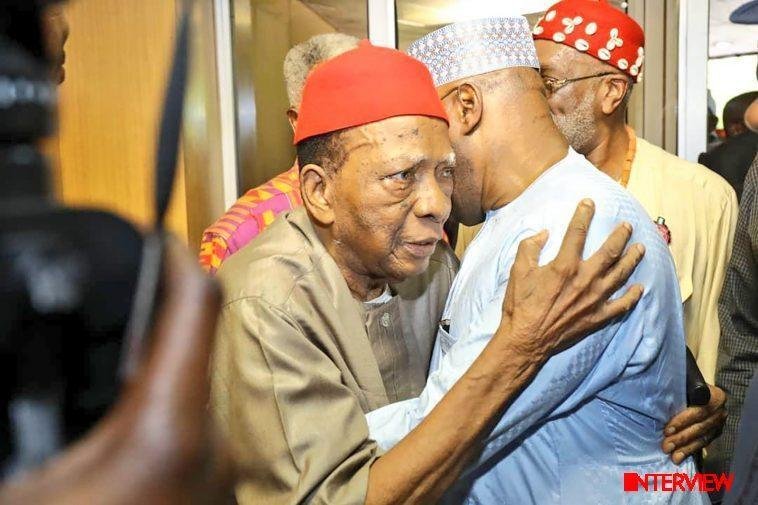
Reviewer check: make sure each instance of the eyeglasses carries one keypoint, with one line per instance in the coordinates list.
(553, 84)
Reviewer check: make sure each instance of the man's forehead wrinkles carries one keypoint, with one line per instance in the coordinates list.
(354, 146)
(359, 138)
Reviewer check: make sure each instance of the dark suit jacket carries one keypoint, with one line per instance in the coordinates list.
(732, 159)
(745, 463)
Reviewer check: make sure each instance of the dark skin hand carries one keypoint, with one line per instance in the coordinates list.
(546, 309)
(695, 427)
(157, 445)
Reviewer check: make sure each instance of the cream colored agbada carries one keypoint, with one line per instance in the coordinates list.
(700, 211)
(299, 361)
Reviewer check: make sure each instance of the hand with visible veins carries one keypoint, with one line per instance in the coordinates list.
(559, 303)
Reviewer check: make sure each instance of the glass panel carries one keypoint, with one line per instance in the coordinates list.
(264, 30)
(416, 18)
(732, 59)
(727, 78)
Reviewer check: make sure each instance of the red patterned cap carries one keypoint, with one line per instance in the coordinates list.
(363, 86)
(597, 28)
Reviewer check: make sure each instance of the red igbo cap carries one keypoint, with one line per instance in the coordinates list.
(362, 86)
(597, 28)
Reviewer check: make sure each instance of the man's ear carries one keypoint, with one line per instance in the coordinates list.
(317, 189)
(292, 118)
(468, 107)
(613, 90)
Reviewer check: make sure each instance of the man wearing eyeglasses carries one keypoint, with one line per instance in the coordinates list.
(591, 55)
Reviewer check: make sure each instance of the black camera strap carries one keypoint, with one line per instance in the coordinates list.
(148, 283)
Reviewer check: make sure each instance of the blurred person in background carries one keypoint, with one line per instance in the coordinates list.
(732, 158)
(258, 208)
(713, 120)
(734, 113)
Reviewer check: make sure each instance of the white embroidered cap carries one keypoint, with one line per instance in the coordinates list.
(469, 48)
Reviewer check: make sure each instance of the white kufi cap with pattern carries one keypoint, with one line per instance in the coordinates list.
(476, 47)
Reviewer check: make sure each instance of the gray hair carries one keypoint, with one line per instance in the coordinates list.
(301, 59)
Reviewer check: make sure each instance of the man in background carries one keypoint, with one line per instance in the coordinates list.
(738, 311)
(589, 74)
(258, 208)
(732, 158)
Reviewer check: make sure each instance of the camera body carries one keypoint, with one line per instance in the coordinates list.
(67, 276)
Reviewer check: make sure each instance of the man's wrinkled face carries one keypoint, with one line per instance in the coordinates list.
(393, 195)
(572, 105)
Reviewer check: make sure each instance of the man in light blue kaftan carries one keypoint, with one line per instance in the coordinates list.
(594, 411)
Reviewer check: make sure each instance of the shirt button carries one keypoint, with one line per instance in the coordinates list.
(385, 320)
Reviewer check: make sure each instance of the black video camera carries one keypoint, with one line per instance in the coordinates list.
(70, 279)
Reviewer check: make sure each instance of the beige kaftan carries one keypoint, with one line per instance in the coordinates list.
(298, 362)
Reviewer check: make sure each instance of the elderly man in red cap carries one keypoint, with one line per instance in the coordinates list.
(591, 55)
(332, 312)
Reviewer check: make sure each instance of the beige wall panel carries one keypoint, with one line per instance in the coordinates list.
(653, 107)
(671, 77)
(118, 58)
(655, 59)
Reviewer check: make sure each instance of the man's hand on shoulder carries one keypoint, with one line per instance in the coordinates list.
(549, 308)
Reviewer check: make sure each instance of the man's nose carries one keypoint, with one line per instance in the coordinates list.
(432, 201)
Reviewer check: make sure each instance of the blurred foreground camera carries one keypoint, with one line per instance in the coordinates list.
(67, 277)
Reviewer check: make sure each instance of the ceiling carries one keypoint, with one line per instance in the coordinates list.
(418, 17)
(346, 16)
